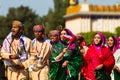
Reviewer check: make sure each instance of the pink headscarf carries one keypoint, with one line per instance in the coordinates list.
(103, 39)
(38, 28)
(69, 33)
(116, 43)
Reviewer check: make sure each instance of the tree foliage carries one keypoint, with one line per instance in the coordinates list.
(3, 28)
(22, 13)
(26, 16)
(51, 21)
(54, 17)
(89, 36)
(118, 31)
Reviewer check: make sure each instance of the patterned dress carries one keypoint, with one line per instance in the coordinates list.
(57, 72)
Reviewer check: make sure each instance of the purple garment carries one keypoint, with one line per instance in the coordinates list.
(116, 44)
(103, 38)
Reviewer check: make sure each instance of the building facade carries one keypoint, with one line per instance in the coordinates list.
(87, 18)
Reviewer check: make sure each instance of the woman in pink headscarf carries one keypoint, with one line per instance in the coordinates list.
(98, 61)
(112, 43)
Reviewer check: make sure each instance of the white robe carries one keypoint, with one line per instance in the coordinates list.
(117, 61)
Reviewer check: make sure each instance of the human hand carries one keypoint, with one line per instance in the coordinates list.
(99, 67)
(115, 67)
(14, 56)
(65, 63)
(65, 50)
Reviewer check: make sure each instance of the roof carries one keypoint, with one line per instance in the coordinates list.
(92, 14)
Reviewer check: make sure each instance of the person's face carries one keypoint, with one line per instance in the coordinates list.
(97, 39)
(15, 30)
(38, 34)
(54, 38)
(110, 42)
(62, 34)
(78, 42)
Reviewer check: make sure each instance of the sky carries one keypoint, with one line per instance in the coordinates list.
(41, 7)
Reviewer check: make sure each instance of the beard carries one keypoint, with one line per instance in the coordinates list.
(15, 34)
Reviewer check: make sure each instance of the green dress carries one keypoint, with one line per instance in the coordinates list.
(57, 72)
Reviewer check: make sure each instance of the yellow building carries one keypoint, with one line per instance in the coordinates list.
(87, 18)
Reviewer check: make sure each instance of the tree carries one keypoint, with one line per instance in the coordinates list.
(3, 28)
(118, 31)
(54, 17)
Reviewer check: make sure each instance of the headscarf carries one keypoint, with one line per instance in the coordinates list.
(115, 45)
(38, 28)
(69, 33)
(118, 40)
(103, 39)
(79, 37)
(82, 40)
(54, 32)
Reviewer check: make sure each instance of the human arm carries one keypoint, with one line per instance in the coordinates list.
(117, 59)
(99, 67)
(60, 56)
(109, 60)
(31, 54)
(7, 55)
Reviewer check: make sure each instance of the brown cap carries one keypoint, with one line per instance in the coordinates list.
(54, 32)
(38, 28)
(17, 23)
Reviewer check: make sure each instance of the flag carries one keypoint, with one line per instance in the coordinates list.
(69, 38)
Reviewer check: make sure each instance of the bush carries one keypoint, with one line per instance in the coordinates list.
(89, 36)
(118, 31)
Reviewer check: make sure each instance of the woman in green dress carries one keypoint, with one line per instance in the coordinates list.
(66, 59)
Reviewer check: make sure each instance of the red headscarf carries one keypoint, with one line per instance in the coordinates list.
(116, 44)
(38, 28)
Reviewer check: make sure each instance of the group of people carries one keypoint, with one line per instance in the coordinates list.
(64, 56)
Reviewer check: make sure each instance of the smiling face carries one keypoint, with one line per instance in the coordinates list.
(110, 42)
(97, 39)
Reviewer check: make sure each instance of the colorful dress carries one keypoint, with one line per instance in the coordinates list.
(57, 72)
(95, 56)
(92, 59)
